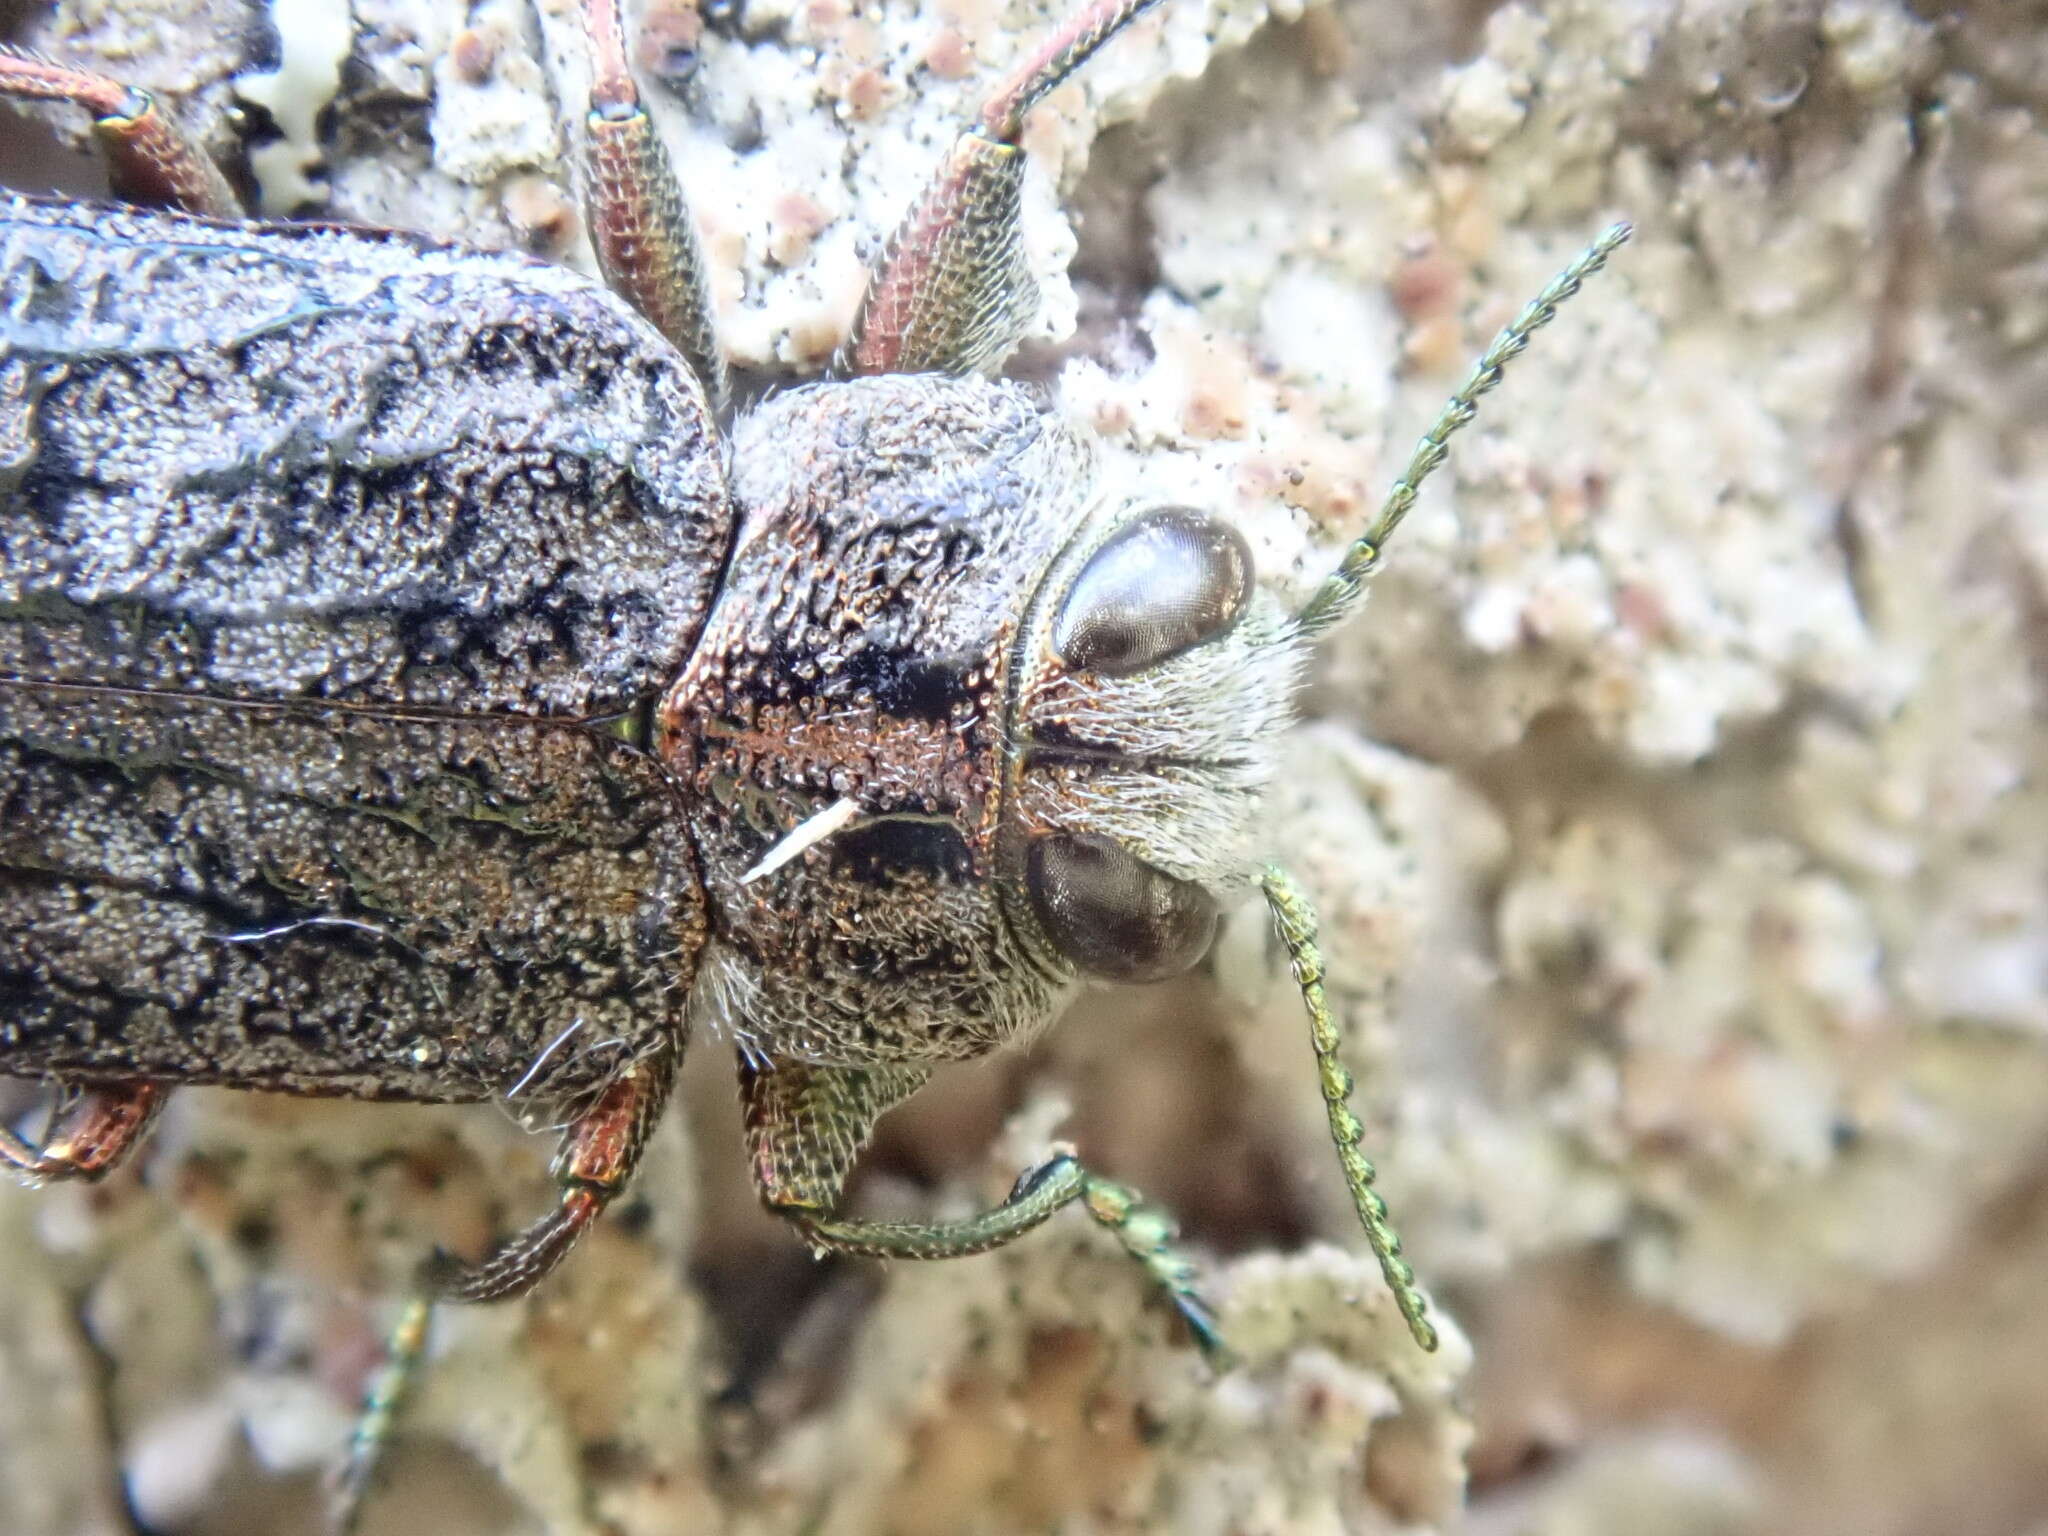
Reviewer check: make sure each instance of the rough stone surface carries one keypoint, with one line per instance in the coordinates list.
(1676, 809)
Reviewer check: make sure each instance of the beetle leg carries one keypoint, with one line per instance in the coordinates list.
(952, 293)
(149, 158)
(806, 1125)
(104, 1126)
(640, 223)
(1296, 921)
(598, 1154)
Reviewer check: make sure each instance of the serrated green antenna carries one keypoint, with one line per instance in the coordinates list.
(1339, 596)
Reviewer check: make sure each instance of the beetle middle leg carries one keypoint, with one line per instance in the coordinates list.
(149, 159)
(598, 1154)
(806, 1125)
(97, 1134)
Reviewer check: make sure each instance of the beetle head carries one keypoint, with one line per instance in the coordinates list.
(963, 724)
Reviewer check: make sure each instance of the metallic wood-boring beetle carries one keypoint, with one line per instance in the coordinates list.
(415, 684)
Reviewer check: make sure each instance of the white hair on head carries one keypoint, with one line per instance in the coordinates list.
(1196, 741)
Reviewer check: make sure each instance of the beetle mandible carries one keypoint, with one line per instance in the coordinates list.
(416, 683)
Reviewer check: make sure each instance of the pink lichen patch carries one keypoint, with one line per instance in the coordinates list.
(474, 54)
(1302, 463)
(1468, 227)
(975, 19)
(1050, 135)
(1312, 485)
(949, 55)
(813, 339)
(1217, 379)
(1217, 411)
(348, 1352)
(1426, 285)
(669, 31)
(867, 93)
(820, 20)
(1641, 611)
(1435, 347)
(725, 251)
(860, 41)
(1111, 418)
(1568, 503)
(793, 223)
(541, 213)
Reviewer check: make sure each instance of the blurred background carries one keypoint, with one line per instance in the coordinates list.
(1676, 810)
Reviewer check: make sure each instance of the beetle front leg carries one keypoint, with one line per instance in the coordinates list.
(149, 160)
(599, 1151)
(806, 1125)
(640, 223)
(952, 293)
(1146, 1232)
(101, 1129)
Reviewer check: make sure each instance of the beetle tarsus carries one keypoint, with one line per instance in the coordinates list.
(807, 1124)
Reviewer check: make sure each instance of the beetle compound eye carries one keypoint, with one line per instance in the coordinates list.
(1167, 581)
(1114, 916)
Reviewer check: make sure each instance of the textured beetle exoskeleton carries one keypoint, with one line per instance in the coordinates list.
(400, 699)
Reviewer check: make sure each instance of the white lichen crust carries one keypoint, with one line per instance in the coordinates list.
(1677, 811)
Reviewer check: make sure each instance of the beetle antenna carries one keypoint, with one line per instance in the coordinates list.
(388, 1391)
(1296, 921)
(1340, 596)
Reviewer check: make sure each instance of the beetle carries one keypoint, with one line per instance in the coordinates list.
(416, 684)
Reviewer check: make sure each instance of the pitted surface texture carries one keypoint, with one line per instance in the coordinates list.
(358, 467)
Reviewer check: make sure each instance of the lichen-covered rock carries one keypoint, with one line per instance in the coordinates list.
(1678, 811)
